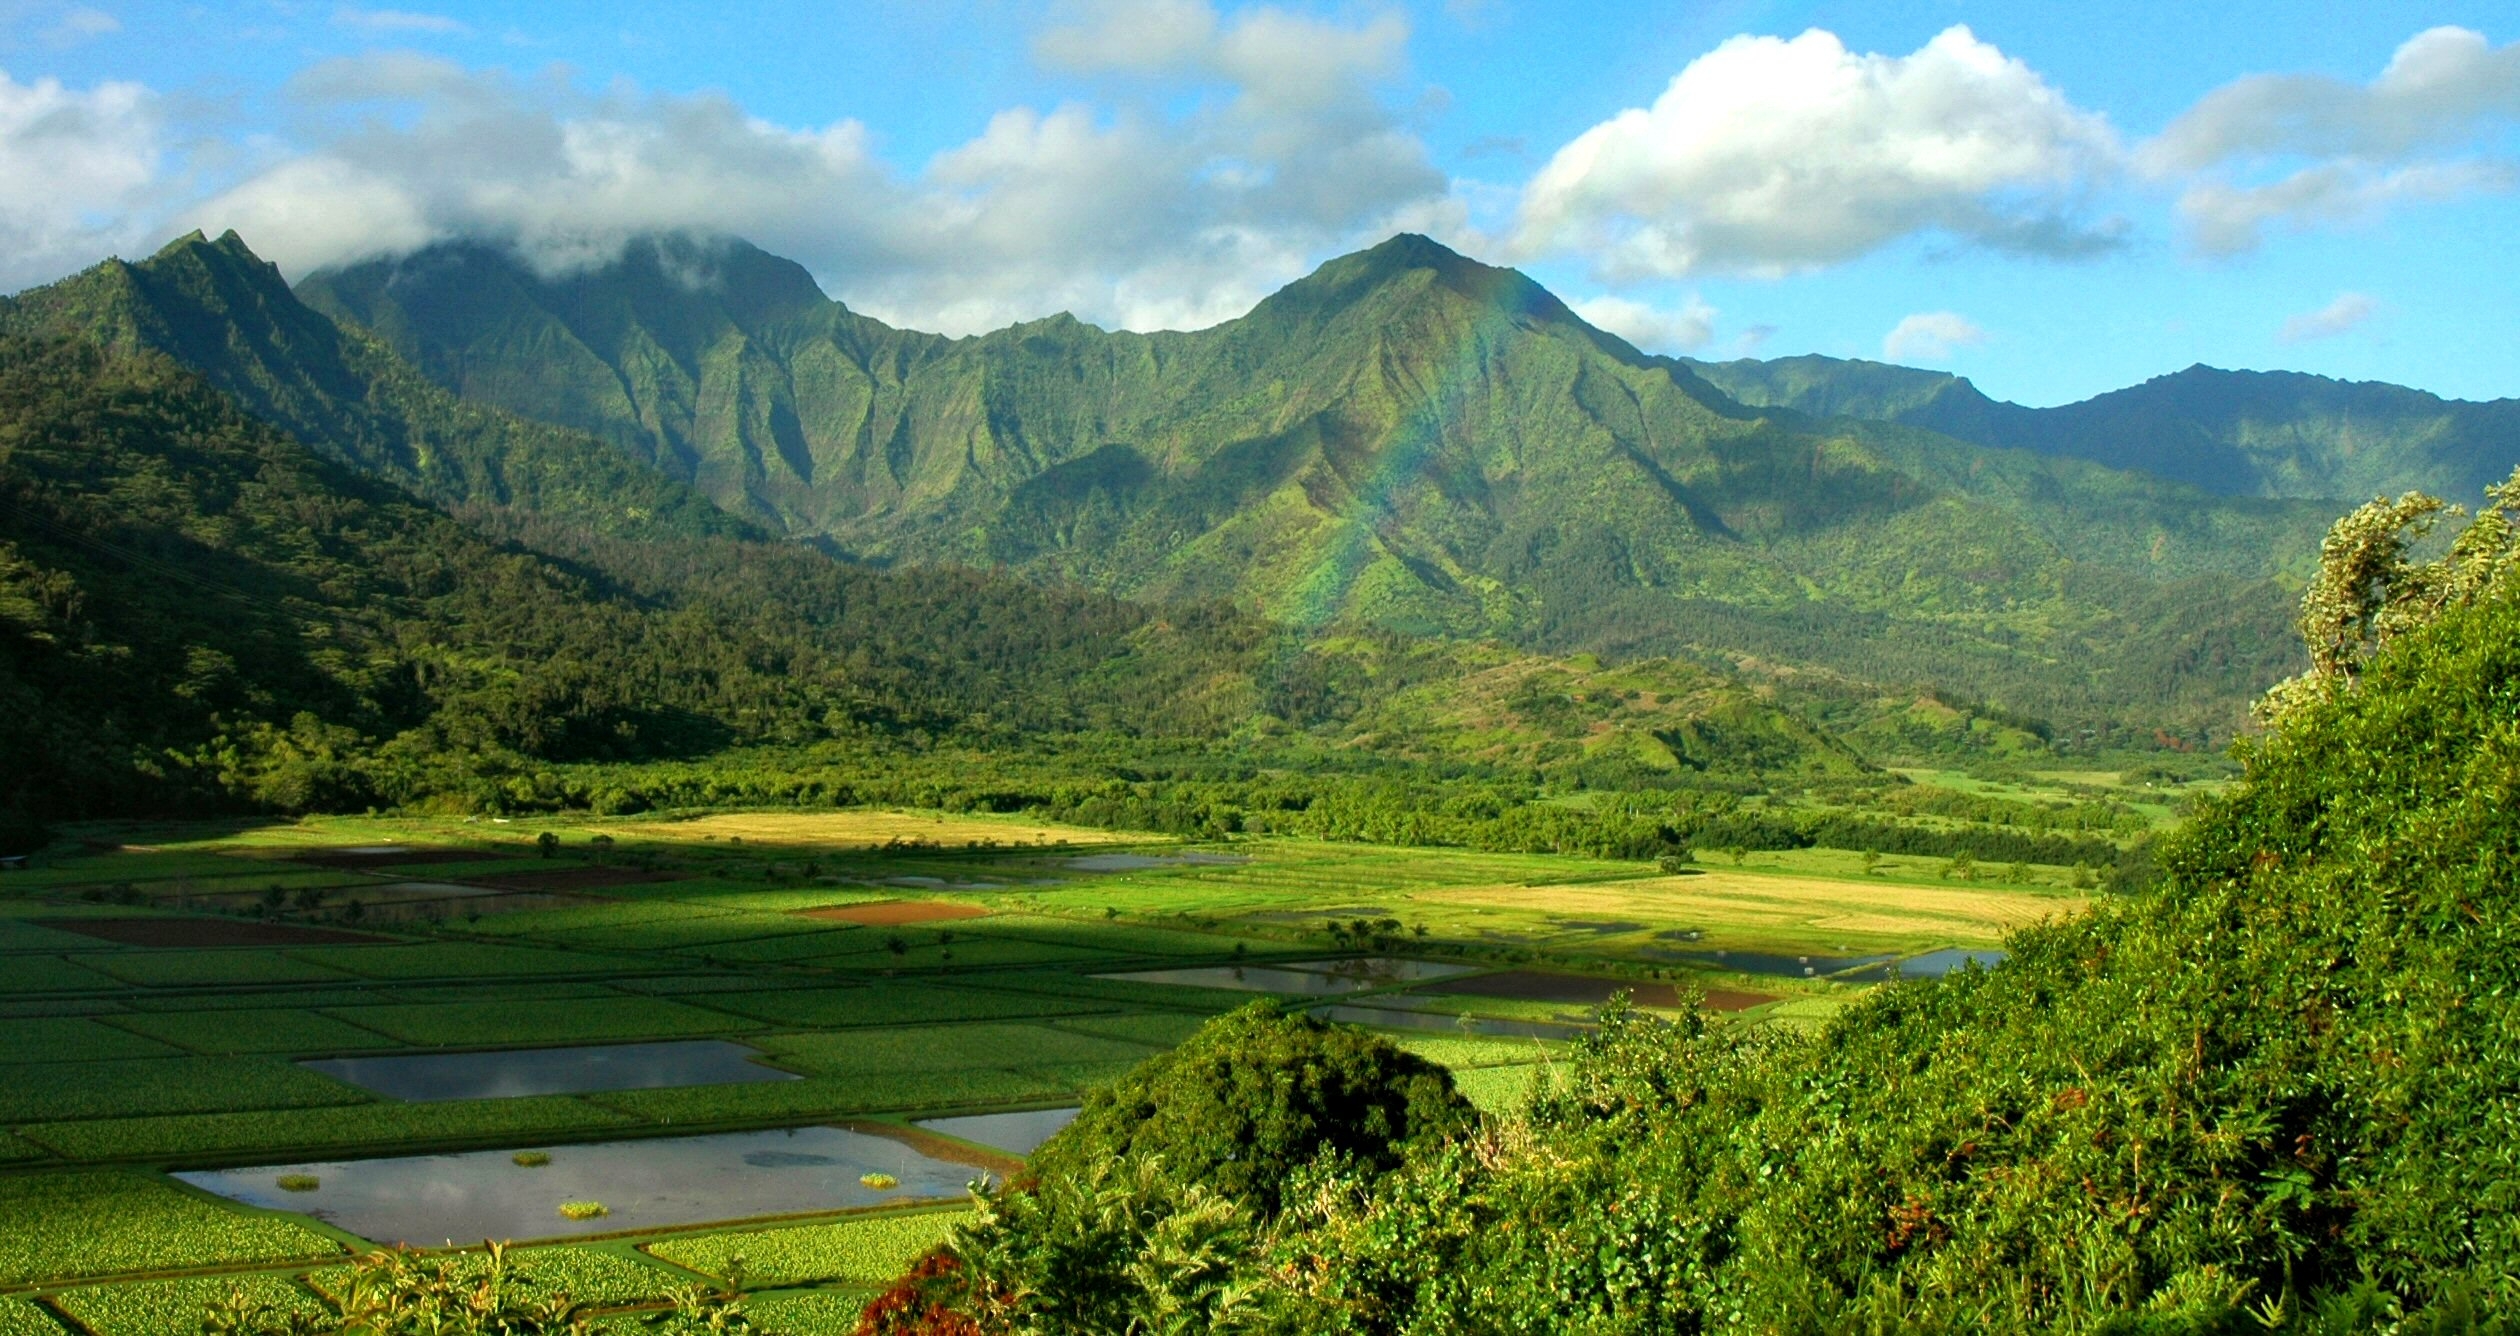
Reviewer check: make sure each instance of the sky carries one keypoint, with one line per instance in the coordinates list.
(2053, 199)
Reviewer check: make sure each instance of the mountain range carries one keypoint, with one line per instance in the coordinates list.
(1404, 470)
(2236, 433)
(1404, 438)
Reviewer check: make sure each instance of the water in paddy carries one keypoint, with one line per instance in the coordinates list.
(1015, 1133)
(430, 1200)
(1303, 978)
(1932, 964)
(1393, 1018)
(424, 1078)
(1753, 962)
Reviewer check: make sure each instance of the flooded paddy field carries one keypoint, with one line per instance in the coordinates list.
(651, 1183)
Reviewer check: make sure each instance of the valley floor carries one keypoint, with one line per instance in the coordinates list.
(200, 1023)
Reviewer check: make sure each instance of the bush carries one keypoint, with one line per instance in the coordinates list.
(1256, 1095)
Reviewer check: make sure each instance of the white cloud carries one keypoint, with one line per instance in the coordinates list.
(1930, 336)
(1652, 328)
(2225, 219)
(81, 24)
(1142, 214)
(399, 22)
(1128, 36)
(1768, 157)
(79, 166)
(2306, 150)
(2349, 310)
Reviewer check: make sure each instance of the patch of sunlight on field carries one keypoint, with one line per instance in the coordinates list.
(851, 829)
(1743, 901)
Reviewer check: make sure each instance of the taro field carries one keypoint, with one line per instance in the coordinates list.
(647, 1047)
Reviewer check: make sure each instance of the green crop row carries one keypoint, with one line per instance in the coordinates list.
(537, 922)
(20, 935)
(938, 1048)
(686, 932)
(538, 1021)
(22, 1317)
(50, 974)
(1499, 1090)
(1157, 1029)
(254, 999)
(51, 1091)
(462, 960)
(964, 950)
(896, 1004)
(174, 1307)
(364, 1127)
(826, 940)
(50, 1228)
(192, 969)
(1120, 938)
(869, 1249)
(809, 1312)
(72, 1039)
(1463, 1052)
(597, 1276)
(253, 1030)
(1059, 983)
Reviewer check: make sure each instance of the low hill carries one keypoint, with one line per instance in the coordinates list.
(2236, 433)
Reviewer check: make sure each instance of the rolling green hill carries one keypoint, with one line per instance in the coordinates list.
(1404, 438)
(2239, 433)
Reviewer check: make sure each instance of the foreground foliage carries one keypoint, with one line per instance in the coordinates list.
(2277, 1092)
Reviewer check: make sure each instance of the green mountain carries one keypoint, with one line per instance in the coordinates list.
(1404, 438)
(201, 611)
(217, 308)
(198, 611)
(2238, 433)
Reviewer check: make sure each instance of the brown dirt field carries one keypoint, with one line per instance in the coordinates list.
(199, 932)
(367, 858)
(894, 913)
(866, 830)
(1531, 986)
(571, 879)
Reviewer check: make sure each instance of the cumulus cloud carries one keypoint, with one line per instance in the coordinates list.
(1141, 213)
(1652, 328)
(79, 166)
(2348, 311)
(1768, 157)
(2305, 150)
(1930, 336)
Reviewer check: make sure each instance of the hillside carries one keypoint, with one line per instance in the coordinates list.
(2272, 1093)
(217, 308)
(2237, 433)
(198, 612)
(1404, 438)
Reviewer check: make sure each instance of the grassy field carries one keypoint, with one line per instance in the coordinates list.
(962, 977)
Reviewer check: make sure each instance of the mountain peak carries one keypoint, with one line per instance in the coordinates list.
(1409, 261)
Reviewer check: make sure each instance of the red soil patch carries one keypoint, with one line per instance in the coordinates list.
(570, 879)
(893, 913)
(387, 857)
(195, 932)
(1530, 986)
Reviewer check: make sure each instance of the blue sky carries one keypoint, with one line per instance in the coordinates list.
(2054, 199)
